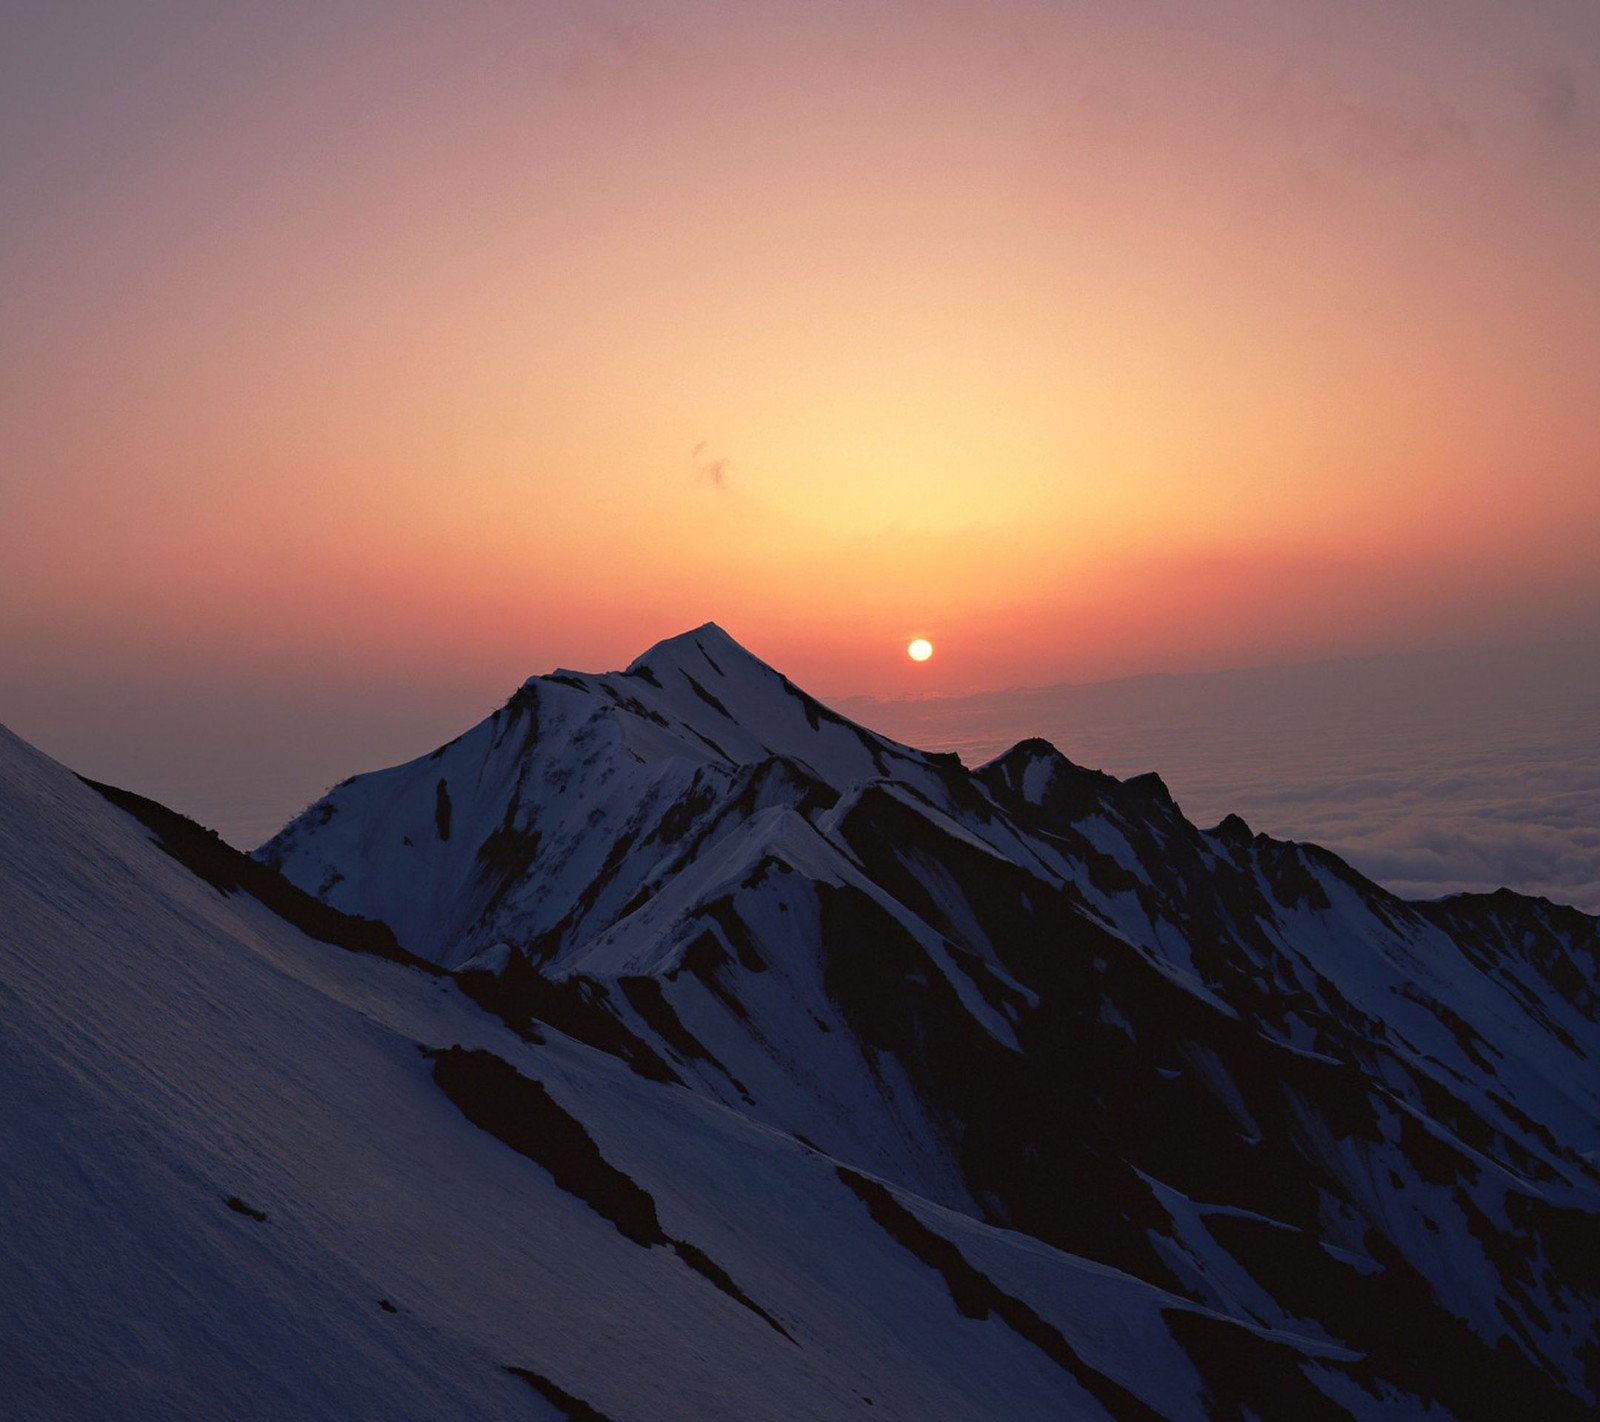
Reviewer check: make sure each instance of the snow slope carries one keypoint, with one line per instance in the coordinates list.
(236, 1186)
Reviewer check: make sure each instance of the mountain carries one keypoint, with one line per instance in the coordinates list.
(669, 1046)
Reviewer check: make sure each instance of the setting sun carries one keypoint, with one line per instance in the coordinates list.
(920, 650)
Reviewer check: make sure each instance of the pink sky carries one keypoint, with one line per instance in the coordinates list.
(358, 349)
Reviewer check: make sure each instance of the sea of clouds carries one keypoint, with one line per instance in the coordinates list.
(1431, 773)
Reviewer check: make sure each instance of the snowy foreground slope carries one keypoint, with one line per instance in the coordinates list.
(235, 1186)
(770, 1069)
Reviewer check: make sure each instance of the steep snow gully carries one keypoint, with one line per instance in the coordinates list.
(668, 1046)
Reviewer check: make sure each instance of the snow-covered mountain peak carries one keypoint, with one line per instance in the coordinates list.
(542, 823)
(701, 651)
(1029, 768)
(700, 696)
(748, 711)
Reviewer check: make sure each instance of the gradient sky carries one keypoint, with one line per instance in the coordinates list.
(354, 349)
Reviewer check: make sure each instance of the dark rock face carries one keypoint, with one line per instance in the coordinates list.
(1226, 1065)
(575, 1409)
(519, 1111)
(204, 853)
(977, 1296)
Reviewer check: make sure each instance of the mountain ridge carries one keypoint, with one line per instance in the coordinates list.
(879, 951)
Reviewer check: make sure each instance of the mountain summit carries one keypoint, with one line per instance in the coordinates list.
(583, 796)
(700, 1052)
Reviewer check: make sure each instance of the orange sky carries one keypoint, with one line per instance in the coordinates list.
(379, 344)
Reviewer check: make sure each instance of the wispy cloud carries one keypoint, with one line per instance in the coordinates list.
(713, 469)
(1332, 127)
(1552, 94)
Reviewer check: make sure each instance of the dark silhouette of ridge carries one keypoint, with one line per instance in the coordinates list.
(228, 870)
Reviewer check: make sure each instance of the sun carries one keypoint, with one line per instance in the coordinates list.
(920, 650)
